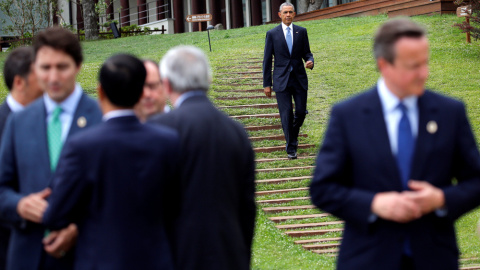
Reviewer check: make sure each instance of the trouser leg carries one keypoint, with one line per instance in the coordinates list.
(284, 101)
(300, 98)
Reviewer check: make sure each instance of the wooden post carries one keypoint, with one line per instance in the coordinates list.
(199, 27)
(467, 18)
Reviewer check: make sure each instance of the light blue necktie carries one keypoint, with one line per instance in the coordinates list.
(289, 40)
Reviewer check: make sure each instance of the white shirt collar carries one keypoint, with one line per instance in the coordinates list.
(284, 27)
(117, 113)
(390, 101)
(69, 105)
(14, 105)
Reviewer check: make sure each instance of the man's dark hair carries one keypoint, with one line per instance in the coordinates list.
(122, 77)
(390, 32)
(19, 63)
(59, 39)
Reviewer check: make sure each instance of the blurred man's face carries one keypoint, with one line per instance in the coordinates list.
(154, 98)
(409, 72)
(32, 88)
(287, 14)
(56, 72)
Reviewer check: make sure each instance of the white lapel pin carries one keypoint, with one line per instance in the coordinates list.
(432, 127)
(81, 122)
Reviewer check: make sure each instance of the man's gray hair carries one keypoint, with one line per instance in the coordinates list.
(286, 4)
(186, 68)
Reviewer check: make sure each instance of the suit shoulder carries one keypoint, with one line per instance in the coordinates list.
(441, 100)
(299, 28)
(33, 109)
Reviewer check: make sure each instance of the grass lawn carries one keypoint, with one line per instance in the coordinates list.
(344, 66)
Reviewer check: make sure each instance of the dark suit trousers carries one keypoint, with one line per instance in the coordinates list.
(291, 123)
(4, 239)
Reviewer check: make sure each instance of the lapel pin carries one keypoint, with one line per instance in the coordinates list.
(81, 122)
(432, 127)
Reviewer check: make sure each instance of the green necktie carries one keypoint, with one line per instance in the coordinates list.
(54, 133)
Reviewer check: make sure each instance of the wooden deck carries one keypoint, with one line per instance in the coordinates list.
(374, 7)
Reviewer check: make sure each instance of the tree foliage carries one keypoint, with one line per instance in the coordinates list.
(474, 26)
(27, 17)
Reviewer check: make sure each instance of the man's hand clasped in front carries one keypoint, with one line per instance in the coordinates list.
(422, 198)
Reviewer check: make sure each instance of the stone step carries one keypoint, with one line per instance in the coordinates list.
(321, 246)
(240, 73)
(311, 232)
(274, 137)
(240, 91)
(279, 209)
(262, 115)
(279, 191)
(282, 180)
(283, 200)
(243, 78)
(238, 84)
(308, 225)
(258, 106)
(285, 218)
(267, 127)
(281, 159)
(284, 169)
(246, 97)
(281, 148)
(470, 267)
(326, 251)
(320, 240)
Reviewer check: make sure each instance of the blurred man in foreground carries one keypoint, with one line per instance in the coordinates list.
(388, 159)
(113, 180)
(216, 207)
(22, 83)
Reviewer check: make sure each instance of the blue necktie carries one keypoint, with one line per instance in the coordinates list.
(289, 40)
(405, 147)
(406, 144)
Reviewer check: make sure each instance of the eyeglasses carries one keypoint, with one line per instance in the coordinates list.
(152, 85)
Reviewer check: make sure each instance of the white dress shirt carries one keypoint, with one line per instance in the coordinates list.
(14, 105)
(392, 113)
(284, 27)
(69, 106)
(117, 113)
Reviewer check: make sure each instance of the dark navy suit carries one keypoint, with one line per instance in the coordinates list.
(113, 182)
(356, 162)
(215, 204)
(25, 169)
(288, 84)
(4, 227)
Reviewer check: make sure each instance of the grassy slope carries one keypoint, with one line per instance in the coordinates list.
(343, 67)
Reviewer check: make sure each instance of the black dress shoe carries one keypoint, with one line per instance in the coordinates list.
(292, 156)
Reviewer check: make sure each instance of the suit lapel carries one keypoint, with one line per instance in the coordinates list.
(427, 113)
(40, 124)
(374, 122)
(81, 116)
(296, 36)
(282, 36)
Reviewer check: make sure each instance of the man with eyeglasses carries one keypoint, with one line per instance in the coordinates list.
(153, 100)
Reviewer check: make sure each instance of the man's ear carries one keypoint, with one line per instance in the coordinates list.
(100, 92)
(280, 15)
(167, 86)
(18, 82)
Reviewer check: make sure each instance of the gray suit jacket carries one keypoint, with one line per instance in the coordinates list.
(25, 168)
